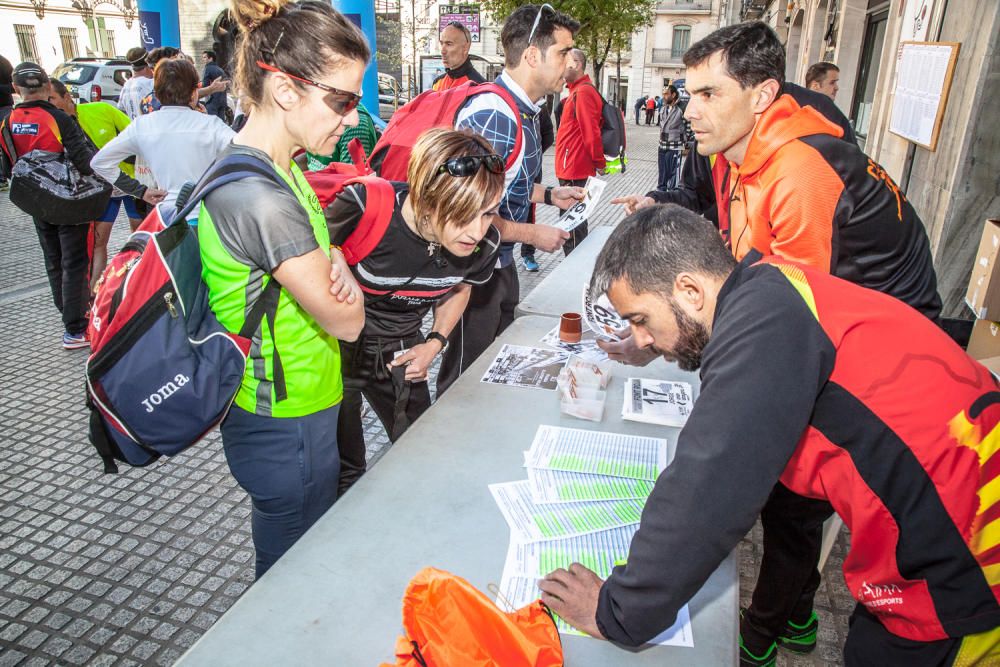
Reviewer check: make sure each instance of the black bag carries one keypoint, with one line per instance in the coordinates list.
(613, 136)
(49, 187)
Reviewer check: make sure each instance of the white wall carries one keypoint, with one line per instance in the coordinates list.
(60, 14)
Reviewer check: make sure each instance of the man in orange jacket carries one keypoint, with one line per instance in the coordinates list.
(579, 149)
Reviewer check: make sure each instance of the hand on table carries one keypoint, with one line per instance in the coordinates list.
(417, 360)
(573, 595)
(633, 203)
(625, 351)
(343, 285)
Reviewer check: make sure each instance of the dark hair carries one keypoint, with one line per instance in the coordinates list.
(174, 79)
(818, 72)
(58, 86)
(303, 38)
(672, 89)
(136, 57)
(210, 54)
(653, 245)
(161, 53)
(517, 29)
(752, 52)
(465, 31)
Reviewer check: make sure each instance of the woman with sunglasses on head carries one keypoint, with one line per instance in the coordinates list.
(439, 243)
(296, 66)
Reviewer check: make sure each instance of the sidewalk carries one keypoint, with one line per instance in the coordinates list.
(131, 569)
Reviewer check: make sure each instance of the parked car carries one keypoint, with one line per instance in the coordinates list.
(390, 95)
(94, 79)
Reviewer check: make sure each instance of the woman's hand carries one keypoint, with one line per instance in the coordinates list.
(344, 287)
(417, 360)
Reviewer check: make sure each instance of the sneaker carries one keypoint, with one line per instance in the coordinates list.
(530, 265)
(4, 186)
(799, 638)
(75, 341)
(748, 659)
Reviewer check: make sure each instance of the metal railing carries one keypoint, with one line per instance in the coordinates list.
(672, 55)
(684, 5)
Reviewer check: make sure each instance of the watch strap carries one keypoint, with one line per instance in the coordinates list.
(548, 195)
(434, 335)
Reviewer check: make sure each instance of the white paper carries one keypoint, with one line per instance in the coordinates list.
(601, 316)
(597, 452)
(522, 366)
(657, 402)
(531, 522)
(586, 349)
(559, 486)
(519, 587)
(580, 212)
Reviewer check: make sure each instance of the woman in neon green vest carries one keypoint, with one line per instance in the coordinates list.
(298, 66)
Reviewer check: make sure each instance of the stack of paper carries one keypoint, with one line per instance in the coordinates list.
(583, 388)
(581, 503)
(657, 402)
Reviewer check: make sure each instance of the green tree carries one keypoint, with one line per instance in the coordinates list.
(605, 25)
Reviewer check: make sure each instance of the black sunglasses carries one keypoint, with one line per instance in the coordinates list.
(468, 165)
(342, 103)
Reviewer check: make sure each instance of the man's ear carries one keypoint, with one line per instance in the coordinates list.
(532, 55)
(689, 289)
(765, 95)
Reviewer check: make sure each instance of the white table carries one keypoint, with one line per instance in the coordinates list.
(335, 598)
(562, 290)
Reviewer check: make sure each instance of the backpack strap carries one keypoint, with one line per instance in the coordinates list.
(380, 201)
(7, 146)
(228, 170)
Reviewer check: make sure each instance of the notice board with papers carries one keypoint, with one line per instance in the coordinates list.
(923, 81)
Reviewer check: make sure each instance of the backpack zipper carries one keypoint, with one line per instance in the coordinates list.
(169, 298)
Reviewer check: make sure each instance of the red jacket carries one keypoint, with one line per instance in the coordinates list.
(579, 149)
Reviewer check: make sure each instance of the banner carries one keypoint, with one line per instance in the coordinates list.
(467, 15)
(362, 14)
(159, 24)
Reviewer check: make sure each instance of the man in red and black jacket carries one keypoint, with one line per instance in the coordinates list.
(35, 124)
(455, 43)
(579, 149)
(842, 393)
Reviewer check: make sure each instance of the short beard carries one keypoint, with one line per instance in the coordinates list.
(691, 340)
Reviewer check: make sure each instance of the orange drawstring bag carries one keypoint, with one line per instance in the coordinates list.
(448, 623)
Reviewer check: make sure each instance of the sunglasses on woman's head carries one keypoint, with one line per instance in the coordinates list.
(342, 102)
(468, 165)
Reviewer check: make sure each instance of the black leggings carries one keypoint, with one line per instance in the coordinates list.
(396, 401)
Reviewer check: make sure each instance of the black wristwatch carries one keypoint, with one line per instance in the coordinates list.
(548, 195)
(434, 335)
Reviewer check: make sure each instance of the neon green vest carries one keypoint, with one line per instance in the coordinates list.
(310, 357)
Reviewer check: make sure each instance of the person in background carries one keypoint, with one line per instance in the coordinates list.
(547, 135)
(640, 105)
(579, 148)
(138, 86)
(536, 42)
(35, 124)
(6, 100)
(455, 42)
(151, 102)
(671, 139)
(101, 123)
(363, 131)
(824, 78)
(299, 68)
(215, 105)
(439, 243)
(650, 110)
(846, 396)
(177, 142)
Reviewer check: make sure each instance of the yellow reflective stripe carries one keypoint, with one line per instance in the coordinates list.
(798, 280)
(981, 650)
(986, 538)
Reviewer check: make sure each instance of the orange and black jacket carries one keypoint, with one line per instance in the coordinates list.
(453, 78)
(846, 395)
(41, 126)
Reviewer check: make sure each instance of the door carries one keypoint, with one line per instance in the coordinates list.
(864, 89)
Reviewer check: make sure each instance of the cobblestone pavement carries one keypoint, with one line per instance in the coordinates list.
(131, 569)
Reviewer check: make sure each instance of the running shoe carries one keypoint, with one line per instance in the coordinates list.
(748, 659)
(75, 341)
(530, 265)
(800, 638)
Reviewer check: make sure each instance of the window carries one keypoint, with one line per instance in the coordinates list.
(68, 38)
(681, 41)
(26, 42)
(111, 50)
(121, 76)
